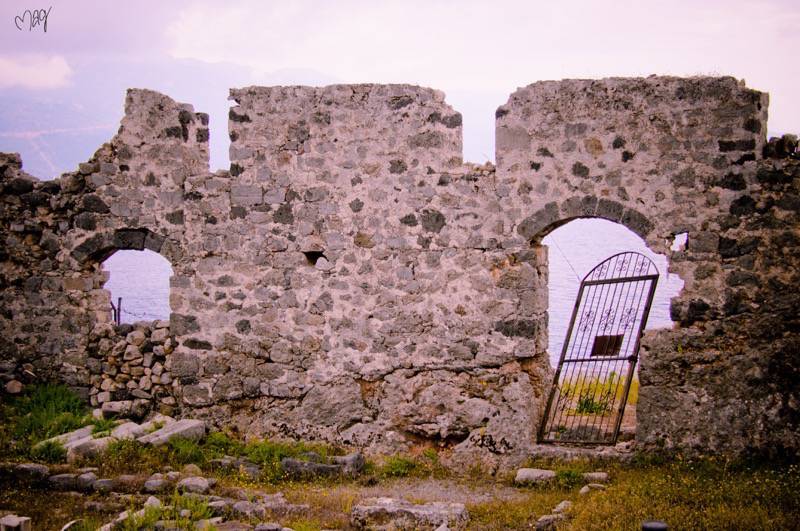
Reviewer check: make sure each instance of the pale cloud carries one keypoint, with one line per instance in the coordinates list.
(498, 46)
(34, 71)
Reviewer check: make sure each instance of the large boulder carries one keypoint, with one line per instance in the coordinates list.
(391, 513)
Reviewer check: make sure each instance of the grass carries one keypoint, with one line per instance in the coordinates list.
(49, 452)
(41, 412)
(102, 427)
(706, 494)
(699, 494)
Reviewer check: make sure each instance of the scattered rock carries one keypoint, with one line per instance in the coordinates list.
(85, 481)
(562, 507)
(549, 521)
(103, 486)
(194, 484)
(394, 513)
(152, 501)
(14, 387)
(248, 509)
(530, 476)
(155, 486)
(586, 489)
(270, 526)
(64, 481)
(191, 470)
(233, 526)
(596, 477)
(297, 469)
(31, 472)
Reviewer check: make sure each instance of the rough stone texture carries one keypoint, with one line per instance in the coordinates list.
(390, 513)
(190, 429)
(194, 484)
(528, 476)
(33, 472)
(350, 279)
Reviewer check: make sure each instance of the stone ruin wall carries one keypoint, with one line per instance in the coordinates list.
(351, 279)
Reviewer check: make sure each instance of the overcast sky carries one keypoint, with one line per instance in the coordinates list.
(478, 52)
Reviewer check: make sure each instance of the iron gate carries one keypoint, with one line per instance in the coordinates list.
(593, 379)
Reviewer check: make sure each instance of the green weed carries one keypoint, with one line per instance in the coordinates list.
(49, 452)
(397, 467)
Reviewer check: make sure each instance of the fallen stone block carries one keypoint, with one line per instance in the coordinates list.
(395, 513)
(88, 447)
(32, 472)
(85, 481)
(182, 429)
(194, 484)
(596, 477)
(532, 476)
(128, 430)
(12, 522)
(67, 440)
(156, 485)
(119, 408)
(103, 486)
(64, 481)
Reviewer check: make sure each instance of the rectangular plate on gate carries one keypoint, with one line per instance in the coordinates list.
(606, 346)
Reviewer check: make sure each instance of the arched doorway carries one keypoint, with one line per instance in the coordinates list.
(138, 282)
(574, 249)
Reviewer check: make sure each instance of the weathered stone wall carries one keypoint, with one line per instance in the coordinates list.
(350, 279)
(665, 156)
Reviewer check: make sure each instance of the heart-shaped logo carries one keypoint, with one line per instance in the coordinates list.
(19, 20)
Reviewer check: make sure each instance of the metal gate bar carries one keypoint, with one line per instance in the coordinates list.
(587, 400)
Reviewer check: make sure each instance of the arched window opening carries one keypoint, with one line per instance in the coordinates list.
(575, 248)
(140, 280)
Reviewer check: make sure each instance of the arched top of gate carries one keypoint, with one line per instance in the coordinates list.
(624, 265)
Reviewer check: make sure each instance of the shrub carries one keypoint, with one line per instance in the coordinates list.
(126, 456)
(397, 467)
(46, 411)
(102, 427)
(49, 452)
(568, 478)
(170, 511)
(219, 444)
(186, 451)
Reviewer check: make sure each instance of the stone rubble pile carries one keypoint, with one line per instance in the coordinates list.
(129, 368)
(82, 443)
(228, 513)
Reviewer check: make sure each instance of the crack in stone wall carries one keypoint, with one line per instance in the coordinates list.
(350, 279)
